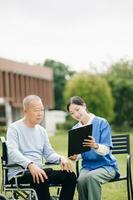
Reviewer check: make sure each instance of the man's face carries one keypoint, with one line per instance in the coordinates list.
(34, 112)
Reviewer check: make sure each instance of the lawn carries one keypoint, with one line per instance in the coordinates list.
(115, 191)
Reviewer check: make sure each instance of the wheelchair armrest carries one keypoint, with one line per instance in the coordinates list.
(18, 176)
(2, 197)
(7, 166)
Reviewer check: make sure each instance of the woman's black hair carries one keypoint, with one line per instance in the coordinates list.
(75, 100)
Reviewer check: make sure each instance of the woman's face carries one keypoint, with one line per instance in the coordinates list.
(78, 112)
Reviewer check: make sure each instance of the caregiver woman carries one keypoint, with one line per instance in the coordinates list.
(98, 165)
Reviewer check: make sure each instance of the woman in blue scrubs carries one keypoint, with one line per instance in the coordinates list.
(98, 165)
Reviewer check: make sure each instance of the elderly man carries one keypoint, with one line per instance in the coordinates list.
(28, 145)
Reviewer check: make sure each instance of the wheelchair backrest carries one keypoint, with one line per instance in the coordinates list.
(4, 159)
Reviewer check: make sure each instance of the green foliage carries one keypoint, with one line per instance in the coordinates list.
(120, 78)
(94, 90)
(3, 130)
(61, 74)
(68, 124)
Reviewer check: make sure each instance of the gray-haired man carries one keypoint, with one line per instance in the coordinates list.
(28, 144)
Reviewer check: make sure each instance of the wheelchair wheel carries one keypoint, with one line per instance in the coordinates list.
(2, 197)
(54, 198)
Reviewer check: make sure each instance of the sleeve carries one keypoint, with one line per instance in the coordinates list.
(14, 154)
(105, 134)
(78, 157)
(49, 153)
(102, 150)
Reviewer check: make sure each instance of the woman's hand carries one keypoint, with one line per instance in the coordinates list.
(90, 142)
(74, 157)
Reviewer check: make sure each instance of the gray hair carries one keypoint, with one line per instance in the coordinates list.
(28, 99)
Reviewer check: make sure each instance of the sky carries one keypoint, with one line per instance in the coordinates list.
(79, 33)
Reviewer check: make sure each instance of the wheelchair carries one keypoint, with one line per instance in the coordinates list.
(3, 197)
(17, 191)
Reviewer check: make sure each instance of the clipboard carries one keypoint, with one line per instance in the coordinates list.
(76, 137)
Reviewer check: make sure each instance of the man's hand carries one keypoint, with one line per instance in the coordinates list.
(65, 164)
(37, 173)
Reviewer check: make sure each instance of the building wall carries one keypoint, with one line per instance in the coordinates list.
(15, 87)
(52, 118)
(2, 111)
(18, 80)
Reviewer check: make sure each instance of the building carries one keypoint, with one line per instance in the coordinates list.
(18, 80)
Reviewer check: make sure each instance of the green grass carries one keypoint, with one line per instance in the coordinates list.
(115, 191)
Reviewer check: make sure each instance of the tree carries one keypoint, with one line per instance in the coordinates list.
(61, 74)
(94, 90)
(120, 79)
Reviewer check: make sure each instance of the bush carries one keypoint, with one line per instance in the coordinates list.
(94, 90)
(3, 130)
(66, 125)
